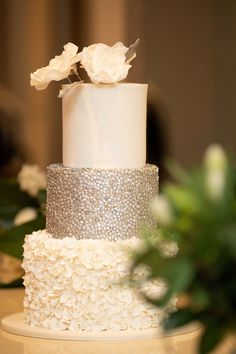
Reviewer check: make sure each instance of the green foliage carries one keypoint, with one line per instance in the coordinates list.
(179, 318)
(204, 269)
(42, 195)
(11, 240)
(12, 201)
(213, 334)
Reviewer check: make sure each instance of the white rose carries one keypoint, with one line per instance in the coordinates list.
(25, 215)
(31, 179)
(105, 64)
(59, 68)
(161, 209)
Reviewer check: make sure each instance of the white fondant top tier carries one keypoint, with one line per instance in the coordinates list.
(104, 126)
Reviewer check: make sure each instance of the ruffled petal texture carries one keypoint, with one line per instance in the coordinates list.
(75, 285)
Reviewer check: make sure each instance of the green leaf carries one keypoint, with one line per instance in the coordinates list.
(204, 268)
(177, 171)
(184, 200)
(12, 199)
(166, 235)
(228, 237)
(177, 271)
(212, 336)
(179, 318)
(149, 236)
(149, 258)
(200, 296)
(11, 240)
(42, 196)
(14, 284)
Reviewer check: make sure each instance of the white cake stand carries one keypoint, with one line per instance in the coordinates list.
(15, 324)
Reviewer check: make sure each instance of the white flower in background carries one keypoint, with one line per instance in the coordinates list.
(215, 182)
(161, 209)
(215, 171)
(168, 248)
(105, 64)
(59, 68)
(25, 215)
(215, 158)
(31, 179)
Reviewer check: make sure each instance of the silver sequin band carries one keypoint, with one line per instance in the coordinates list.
(100, 204)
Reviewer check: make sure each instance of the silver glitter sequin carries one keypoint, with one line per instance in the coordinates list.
(99, 204)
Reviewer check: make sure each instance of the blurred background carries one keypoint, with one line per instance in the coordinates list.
(187, 55)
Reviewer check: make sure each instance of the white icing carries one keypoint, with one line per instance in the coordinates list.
(75, 285)
(104, 126)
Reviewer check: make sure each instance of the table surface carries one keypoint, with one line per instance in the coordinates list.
(11, 302)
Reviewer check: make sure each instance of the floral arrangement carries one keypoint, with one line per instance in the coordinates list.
(199, 213)
(103, 64)
(22, 211)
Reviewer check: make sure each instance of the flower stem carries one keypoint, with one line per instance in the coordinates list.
(78, 76)
(69, 80)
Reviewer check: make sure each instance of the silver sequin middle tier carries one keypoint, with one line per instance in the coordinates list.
(100, 204)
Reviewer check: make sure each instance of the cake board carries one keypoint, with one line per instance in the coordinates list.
(15, 324)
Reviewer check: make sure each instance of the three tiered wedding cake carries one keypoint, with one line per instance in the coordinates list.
(97, 200)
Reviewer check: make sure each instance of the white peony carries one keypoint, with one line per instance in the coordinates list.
(31, 179)
(105, 64)
(59, 68)
(25, 215)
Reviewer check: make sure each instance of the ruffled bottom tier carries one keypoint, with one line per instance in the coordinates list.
(75, 285)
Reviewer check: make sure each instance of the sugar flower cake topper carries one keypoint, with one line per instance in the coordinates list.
(58, 68)
(103, 64)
